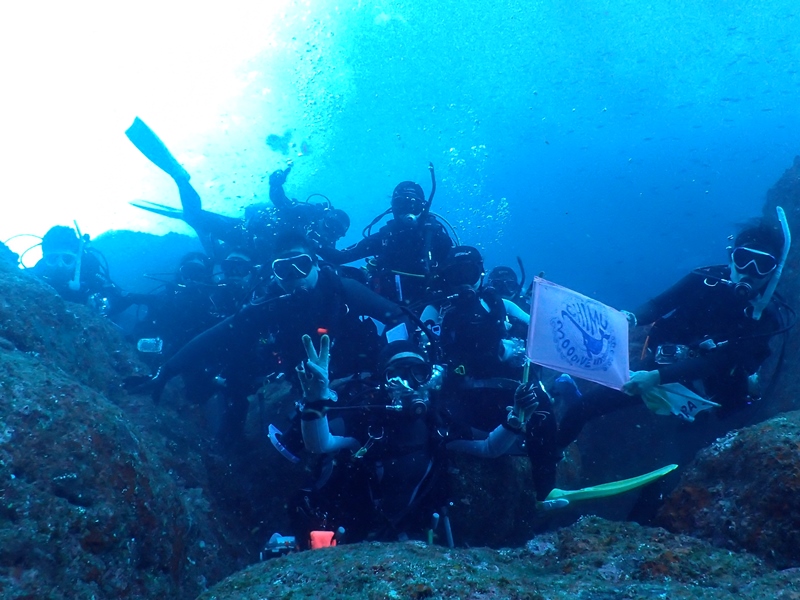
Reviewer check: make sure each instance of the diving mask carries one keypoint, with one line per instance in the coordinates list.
(293, 267)
(60, 260)
(411, 375)
(754, 263)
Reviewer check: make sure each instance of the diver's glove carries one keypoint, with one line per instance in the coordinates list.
(140, 384)
(526, 401)
(512, 352)
(313, 375)
(642, 382)
(278, 178)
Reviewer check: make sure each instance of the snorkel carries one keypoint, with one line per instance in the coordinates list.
(762, 301)
(75, 283)
(427, 208)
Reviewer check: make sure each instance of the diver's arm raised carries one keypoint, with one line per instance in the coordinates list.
(317, 397)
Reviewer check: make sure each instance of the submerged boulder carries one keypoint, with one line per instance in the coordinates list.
(61, 335)
(743, 492)
(96, 501)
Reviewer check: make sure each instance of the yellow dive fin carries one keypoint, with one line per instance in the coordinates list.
(561, 498)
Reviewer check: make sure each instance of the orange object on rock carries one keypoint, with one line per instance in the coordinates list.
(321, 539)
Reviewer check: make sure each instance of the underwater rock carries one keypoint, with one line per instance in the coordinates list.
(592, 559)
(88, 508)
(743, 492)
(100, 499)
(65, 336)
(494, 501)
(7, 257)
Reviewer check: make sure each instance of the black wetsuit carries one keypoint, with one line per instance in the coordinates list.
(218, 234)
(181, 312)
(337, 306)
(473, 326)
(296, 215)
(697, 309)
(405, 255)
(380, 494)
(266, 336)
(479, 386)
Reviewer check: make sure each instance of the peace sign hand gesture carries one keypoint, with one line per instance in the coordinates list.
(313, 372)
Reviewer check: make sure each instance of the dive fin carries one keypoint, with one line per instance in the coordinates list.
(604, 490)
(676, 399)
(274, 438)
(154, 149)
(159, 209)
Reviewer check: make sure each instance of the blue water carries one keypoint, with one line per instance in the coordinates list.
(612, 145)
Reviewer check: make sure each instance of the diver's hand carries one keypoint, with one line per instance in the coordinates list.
(278, 178)
(526, 400)
(632, 321)
(642, 382)
(527, 397)
(141, 384)
(512, 352)
(313, 373)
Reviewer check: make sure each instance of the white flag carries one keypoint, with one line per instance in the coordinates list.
(574, 334)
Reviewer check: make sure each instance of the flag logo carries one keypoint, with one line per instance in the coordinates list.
(582, 335)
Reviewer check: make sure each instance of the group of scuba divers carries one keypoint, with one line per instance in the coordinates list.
(415, 356)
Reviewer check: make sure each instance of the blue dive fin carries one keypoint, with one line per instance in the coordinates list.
(153, 148)
(159, 209)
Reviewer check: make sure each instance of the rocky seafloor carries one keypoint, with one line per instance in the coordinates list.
(591, 560)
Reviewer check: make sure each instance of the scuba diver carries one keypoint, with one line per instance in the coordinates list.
(302, 298)
(483, 361)
(319, 221)
(383, 442)
(197, 298)
(191, 303)
(77, 271)
(406, 250)
(710, 332)
(472, 319)
(503, 280)
(255, 234)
